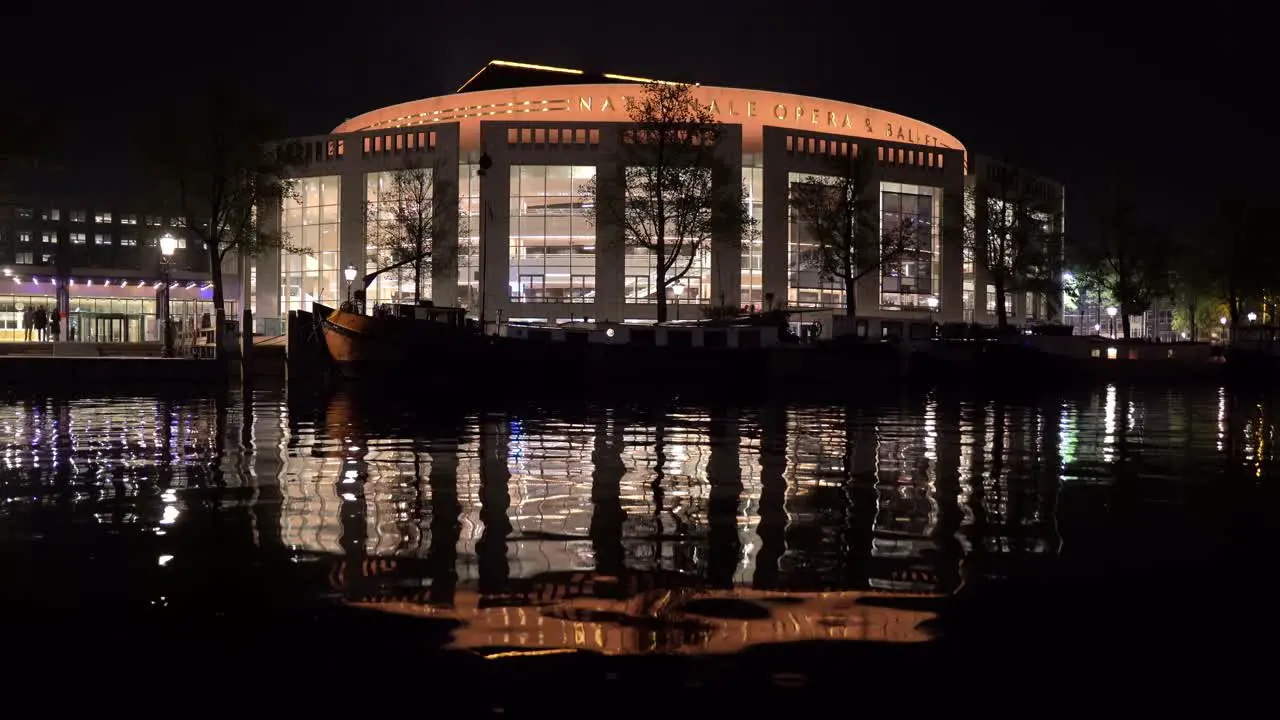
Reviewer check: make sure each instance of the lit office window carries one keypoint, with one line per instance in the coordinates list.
(911, 282)
(553, 242)
(753, 247)
(808, 285)
(311, 221)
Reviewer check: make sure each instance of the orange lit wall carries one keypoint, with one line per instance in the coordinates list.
(752, 109)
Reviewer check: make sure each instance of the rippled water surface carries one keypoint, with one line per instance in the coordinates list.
(666, 527)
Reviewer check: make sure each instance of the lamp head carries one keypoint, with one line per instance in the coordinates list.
(932, 302)
(677, 289)
(168, 243)
(1112, 311)
(349, 272)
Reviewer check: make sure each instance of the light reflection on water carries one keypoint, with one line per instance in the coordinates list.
(624, 529)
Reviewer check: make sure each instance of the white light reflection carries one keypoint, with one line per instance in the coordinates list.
(1109, 436)
(1222, 418)
(165, 560)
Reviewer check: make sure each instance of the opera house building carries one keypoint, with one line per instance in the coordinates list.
(522, 244)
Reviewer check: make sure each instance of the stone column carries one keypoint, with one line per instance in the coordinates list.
(495, 224)
(726, 248)
(268, 269)
(444, 241)
(951, 292)
(611, 252)
(773, 227)
(351, 236)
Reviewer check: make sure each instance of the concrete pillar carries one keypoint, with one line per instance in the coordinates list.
(774, 225)
(726, 248)
(268, 269)
(611, 252)
(495, 224)
(951, 292)
(444, 268)
(351, 235)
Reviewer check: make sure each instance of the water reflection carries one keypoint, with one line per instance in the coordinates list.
(620, 528)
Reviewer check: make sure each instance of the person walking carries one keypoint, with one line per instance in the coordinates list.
(55, 325)
(27, 319)
(40, 318)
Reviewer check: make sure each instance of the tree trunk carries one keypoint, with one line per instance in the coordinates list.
(1195, 326)
(661, 281)
(850, 296)
(1002, 312)
(1124, 323)
(417, 282)
(219, 303)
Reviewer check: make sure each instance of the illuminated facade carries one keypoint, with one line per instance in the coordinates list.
(520, 243)
(98, 262)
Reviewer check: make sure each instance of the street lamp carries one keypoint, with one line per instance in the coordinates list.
(932, 302)
(1253, 316)
(677, 290)
(349, 272)
(168, 243)
(1112, 312)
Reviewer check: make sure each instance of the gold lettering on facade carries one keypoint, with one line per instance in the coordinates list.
(797, 114)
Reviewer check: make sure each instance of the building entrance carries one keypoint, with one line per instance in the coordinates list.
(108, 328)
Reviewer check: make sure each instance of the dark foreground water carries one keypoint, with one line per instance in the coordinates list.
(349, 539)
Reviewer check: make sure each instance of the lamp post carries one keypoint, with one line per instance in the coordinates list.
(1112, 312)
(349, 272)
(677, 290)
(168, 243)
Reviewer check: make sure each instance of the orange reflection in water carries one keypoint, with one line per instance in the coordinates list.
(677, 620)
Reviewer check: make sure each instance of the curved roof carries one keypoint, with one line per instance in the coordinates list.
(605, 102)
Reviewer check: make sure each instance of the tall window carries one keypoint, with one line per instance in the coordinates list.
(396, 285)
(311, 221)
(553, 243)
(469, 235)
(753, 247)
(806, 285)
(918, 277)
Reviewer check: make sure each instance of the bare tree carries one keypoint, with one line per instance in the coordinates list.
(1130, 262)
(840, 213)
(221, 165)
(406, 223)
(666, 197)
(1010, 236)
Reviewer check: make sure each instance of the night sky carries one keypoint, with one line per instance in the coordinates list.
(1083, 94)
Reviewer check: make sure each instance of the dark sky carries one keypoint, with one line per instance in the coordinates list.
(1083, 93)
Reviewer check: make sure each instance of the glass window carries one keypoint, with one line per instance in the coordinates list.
(128, 241)
(24, 237)
(469, 235)
(153, 220)
(807, 284)
(77, 239)
(49, 238)
(753, 248)
(24, 212)
(314, 277)
(909, 283)
(101, 239)
(553, 243)
(102, 218)
(77, 216)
